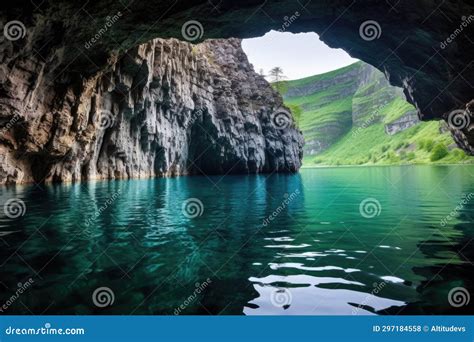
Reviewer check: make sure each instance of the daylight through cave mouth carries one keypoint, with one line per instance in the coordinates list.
(347, 110)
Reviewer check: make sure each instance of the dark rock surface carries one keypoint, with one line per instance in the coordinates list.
(423, 46)
(406, 121)
(165, 108)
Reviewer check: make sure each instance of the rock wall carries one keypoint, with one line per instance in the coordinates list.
(424, 46)
(406, 121)
(164, 108)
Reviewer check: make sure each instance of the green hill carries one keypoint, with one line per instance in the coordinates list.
(353, 116)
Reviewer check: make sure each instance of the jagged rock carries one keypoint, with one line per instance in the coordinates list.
(424, 46)
(165, 108)
(408, 120)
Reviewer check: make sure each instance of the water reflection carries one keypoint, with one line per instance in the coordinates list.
(278, 244)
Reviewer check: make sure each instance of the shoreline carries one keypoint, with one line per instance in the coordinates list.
(382, 165)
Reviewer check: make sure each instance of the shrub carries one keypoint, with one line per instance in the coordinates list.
(385, 148)
(296, 111)
(458, 155)
(399, 145)
(421, 145)
(439, 152)
(411, 155)
(429, 144)
(392, 157)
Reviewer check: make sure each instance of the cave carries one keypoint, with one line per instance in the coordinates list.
(111, 101)
(51, 61)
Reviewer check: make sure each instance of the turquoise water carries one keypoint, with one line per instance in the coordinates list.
(350, 241)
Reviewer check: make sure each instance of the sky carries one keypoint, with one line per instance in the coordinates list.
(299, 55)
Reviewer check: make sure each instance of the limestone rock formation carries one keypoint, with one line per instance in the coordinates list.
(164, 108)
(424, 46)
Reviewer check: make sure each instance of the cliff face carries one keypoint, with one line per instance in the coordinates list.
(325, 101)
(353, 116)
(165, 108)
(336, 102)
(423, 46)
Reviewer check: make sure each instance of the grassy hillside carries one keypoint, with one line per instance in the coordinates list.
(344, 113)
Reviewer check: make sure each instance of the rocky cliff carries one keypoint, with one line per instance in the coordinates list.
(424, 46)
(164, 108)
(353, 116)
(335, 102)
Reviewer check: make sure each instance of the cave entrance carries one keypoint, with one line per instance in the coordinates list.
(346, 109)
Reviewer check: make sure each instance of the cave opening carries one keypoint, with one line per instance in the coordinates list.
(95, 91)
(347, 110)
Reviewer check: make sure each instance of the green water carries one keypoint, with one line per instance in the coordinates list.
(266, 244)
